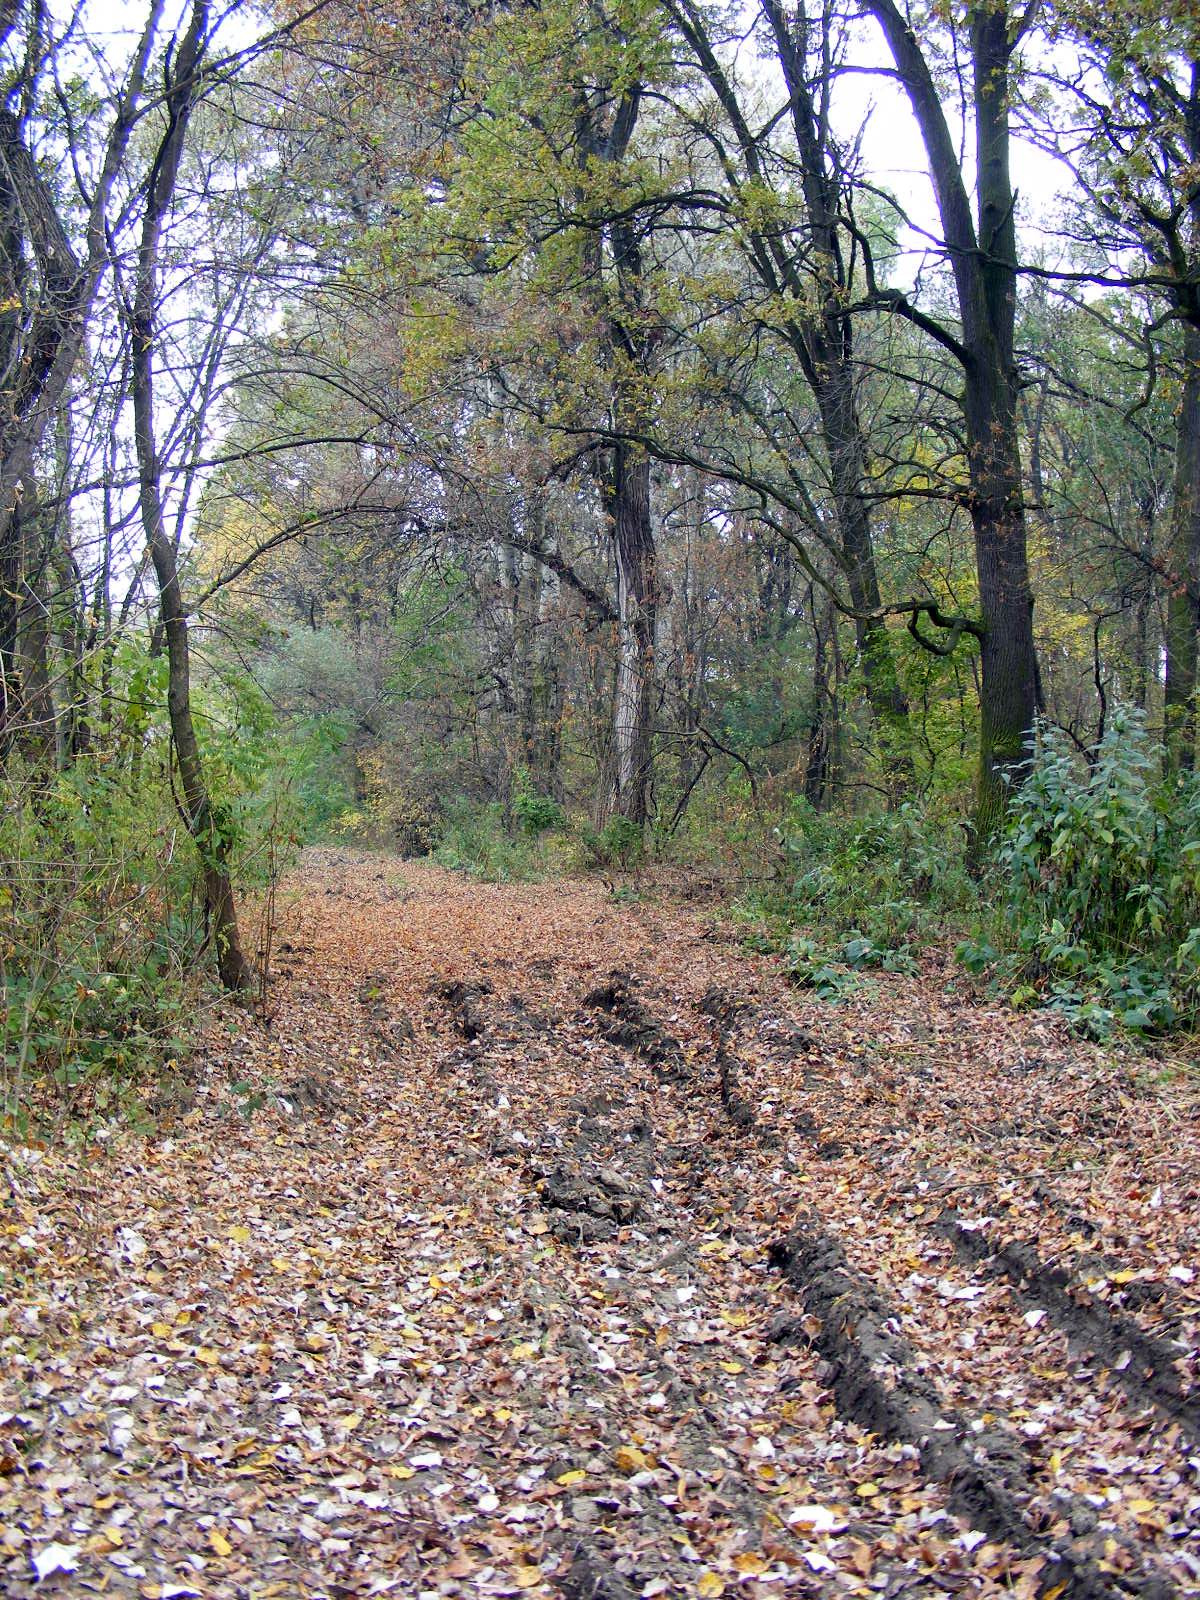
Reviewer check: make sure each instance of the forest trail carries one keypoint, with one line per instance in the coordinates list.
(483, 1271)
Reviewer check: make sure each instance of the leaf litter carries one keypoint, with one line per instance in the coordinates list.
(465, 1275)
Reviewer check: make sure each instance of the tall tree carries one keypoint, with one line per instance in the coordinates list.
(184, 84)
(980, 240)
(50, 272)
(801, 249)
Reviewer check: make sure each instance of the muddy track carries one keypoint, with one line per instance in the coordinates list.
(875, 1381)
(457, 1279)
(1143, 1366)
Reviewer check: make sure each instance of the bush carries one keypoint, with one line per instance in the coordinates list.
(1100, 870)
(100, 932)
(620, 845)
(867, 891)
(474, 839)
(877, 885)
(535, 813)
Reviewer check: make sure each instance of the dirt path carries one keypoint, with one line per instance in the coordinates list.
(547, 1245)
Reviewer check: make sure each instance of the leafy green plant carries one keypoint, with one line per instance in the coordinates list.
(808, 968)
(1100, 885)
(475, 840)
(101, 931)
(620, 844)
(876, 886)
(535, 813)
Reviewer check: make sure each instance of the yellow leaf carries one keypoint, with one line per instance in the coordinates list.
(207, 1356)
(732, 1366)
(569, 1479)
(749, 1565)
(1141, 1508)
(867, 1491)
(280, 1263)
(709, 1585)
(161, 1330)
(241, 1234)
(219, 1542)
(502, 1414)
(630, 1459)
(522, 1352)
(400, 1472)
(527, 1577)
(1126, 1275)
(352, 1421)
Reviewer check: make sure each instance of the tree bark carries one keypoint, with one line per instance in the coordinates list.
(828, 361)
(982, 251)
(209, 830)
(633, 543)
(39, 348)
(1183, 571)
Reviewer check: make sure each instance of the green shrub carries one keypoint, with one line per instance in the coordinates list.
(101, 926)
(619, 845)
(475, 840)
(876, 888)
(535, 813)
(876, 885)
(808, 967)
(1100, 876)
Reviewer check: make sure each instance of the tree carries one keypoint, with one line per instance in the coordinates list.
(801, 246)
(52, 260)
(980, 241)
(184, 82)
(1134, 147)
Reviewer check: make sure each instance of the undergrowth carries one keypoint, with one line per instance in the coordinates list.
(1100, 879)
(1090, 905)
(101, 926)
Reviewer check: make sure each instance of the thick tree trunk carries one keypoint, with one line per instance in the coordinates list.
(1183, 571)
(1010, 698)
(983, 253)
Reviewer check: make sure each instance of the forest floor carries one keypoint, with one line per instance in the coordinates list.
(543, 1244)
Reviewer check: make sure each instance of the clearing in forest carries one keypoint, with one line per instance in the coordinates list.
(545, 1245)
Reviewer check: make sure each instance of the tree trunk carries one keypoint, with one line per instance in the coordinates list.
(633, 542)
(1010, 698)
(207, 827)
(38, 352)
(844, 443)
(1183, 572)
(983, 253)
(39, 721)
(822, 725)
